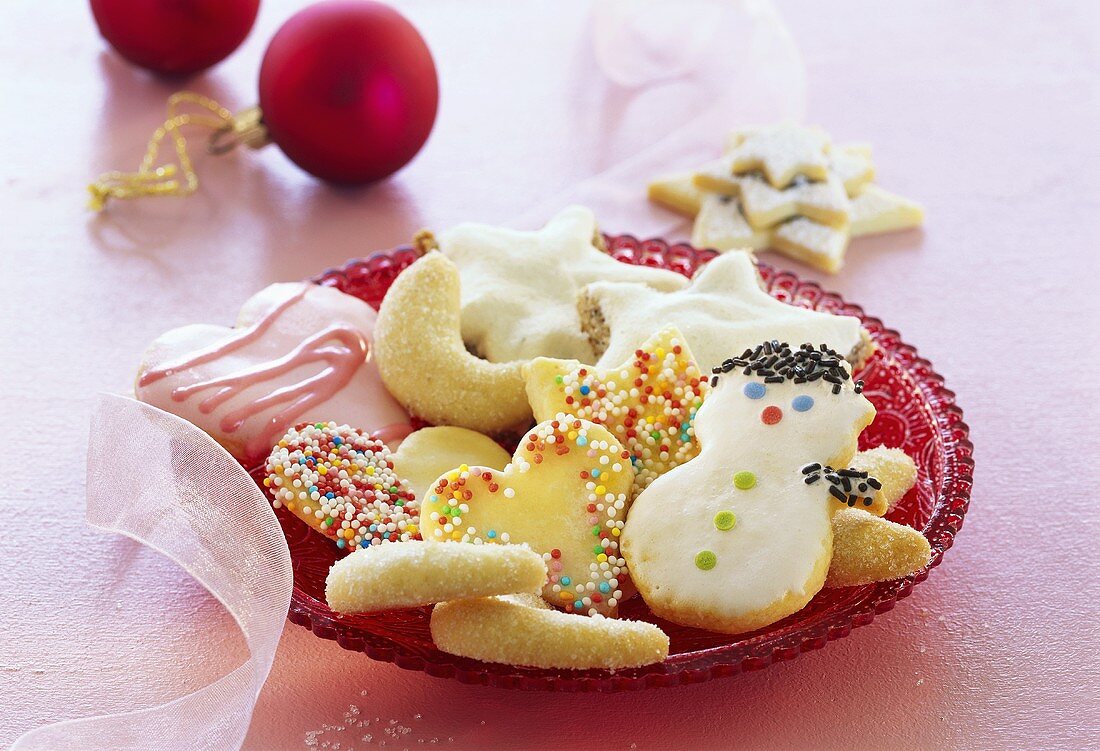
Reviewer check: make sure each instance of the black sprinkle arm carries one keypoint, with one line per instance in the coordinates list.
(851, 487)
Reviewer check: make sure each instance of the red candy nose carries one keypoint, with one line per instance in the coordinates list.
(771, 415)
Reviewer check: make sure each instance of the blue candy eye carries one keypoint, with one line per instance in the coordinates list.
(754, 390)
(802, 403)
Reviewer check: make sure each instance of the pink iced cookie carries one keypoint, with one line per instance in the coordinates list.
(299, 353)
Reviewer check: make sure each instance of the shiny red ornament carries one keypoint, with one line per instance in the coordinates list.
(175, 37)
(348, 90)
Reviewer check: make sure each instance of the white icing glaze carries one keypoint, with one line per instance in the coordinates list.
(782, 534)
(299, 353)
(519, 289)
(782, 152)
(723, 310)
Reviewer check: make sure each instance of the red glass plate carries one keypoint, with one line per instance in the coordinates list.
(915, 412)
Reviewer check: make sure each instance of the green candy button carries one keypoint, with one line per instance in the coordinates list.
(744, 480)
(724, 520)
(706, 560)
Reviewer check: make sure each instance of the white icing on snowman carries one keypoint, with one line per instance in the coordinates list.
(736, 538)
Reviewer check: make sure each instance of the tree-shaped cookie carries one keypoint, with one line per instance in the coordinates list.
(741, 536)
(564, 494)
(648, 401)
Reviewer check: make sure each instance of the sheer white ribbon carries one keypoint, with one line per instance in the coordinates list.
(158, 479)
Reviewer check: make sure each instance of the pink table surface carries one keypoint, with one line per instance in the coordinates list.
(986, 112)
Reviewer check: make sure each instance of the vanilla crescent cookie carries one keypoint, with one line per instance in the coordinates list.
(648, 402)
(342, 483)
(429, 452)
(723, 310)
(868, 549)
(741, 536)
(519, 288)
(425, 364)
(523, 630)
(565, 494)
(895, 471)
(411, 574)
(299, 353)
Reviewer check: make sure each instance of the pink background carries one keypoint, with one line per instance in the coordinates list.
(987, 113)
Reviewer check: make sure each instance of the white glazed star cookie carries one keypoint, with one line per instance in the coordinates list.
(741, 536)
(519, 288)
(764, 205)
(724, 309)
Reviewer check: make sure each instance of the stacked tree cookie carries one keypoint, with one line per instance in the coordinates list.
(788, 188)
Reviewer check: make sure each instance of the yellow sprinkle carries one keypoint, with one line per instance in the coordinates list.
(600, 490)
(464, 468)
(572, 434)
(370, 470)
(565, 595)
(616, 531)
(601, 557)
(661, 352)
(322, 470)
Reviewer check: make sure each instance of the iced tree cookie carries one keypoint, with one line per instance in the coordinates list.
(741, 536)
(524, 630)
(519, 288)
(565, 494)
(299, 353)
(341, 483)
(425, 364)
(429, 452)
(411, 574)
(723, 310)
(648, 402)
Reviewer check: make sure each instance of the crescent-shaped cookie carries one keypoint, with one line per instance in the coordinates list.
(523, 630)
(425, 364)
(867, 549)
(409, 574)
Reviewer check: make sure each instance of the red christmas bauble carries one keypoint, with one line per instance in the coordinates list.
(175, 37)
(348, 90)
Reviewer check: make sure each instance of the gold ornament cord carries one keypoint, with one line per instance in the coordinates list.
(185, 108)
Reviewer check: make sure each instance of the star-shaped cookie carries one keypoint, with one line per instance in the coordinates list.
(764, 206)
(648, 401)
(519, 289)
(781, 152)
(724, 310)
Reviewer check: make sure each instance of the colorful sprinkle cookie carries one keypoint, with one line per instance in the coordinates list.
(389, 577)
(523, 630)
(425, 364)
(565, 494)
(741, 536)
(647, 402)
(341, 482)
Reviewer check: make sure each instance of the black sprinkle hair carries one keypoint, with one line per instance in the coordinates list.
(849, 486)
(776, 362)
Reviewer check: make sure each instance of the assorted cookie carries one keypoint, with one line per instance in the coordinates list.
(299, 353)
(723, 310)
(726, 490)
(565, 494)
(786, 187)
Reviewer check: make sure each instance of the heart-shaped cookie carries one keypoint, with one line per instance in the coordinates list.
(341, 482)
(299, 353)
(565, 494)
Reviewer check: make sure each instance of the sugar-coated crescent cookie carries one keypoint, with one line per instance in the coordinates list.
(298, 353)
(429, 452)
(893, 468)
(414, 573)
(425, 364)
(868, 549)
(740, 536)
(523, 631)
(565, 493)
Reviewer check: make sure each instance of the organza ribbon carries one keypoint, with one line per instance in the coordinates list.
(158, 479)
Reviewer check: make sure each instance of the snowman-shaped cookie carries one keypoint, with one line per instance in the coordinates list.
(740, 536)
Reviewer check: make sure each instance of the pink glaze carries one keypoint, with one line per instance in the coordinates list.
(393, 434)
